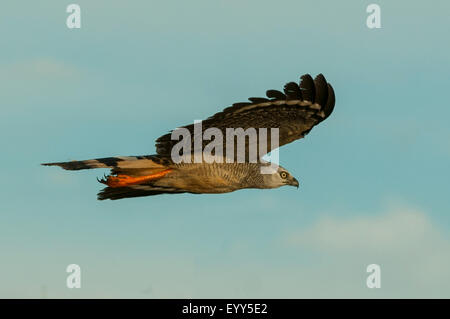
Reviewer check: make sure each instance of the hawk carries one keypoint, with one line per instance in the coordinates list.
(294, 113)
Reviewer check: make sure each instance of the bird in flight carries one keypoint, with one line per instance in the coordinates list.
(293, 113)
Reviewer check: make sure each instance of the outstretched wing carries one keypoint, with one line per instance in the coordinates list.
(294, 112)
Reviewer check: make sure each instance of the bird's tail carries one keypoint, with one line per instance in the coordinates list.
(115, 163)
(131, 176)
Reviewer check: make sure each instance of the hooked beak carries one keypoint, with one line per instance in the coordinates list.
(294, 182)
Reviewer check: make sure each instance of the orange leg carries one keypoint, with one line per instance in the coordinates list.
(125, 180)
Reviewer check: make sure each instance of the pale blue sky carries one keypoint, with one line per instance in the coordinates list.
(374, 176)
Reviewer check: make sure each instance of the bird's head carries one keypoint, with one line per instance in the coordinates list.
(279, 177)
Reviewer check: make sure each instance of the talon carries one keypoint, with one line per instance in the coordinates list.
(103, 180)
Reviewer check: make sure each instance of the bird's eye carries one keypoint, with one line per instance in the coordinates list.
(283, 174)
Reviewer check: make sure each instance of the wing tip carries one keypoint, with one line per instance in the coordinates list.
(318, 91)
(307, 87)
(331, 101)
(321, 90)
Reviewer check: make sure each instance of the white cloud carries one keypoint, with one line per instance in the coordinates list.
(388, 232)
(29, 81)
(41, 84)
(333, 254)
(43, 69)
(414, 256)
